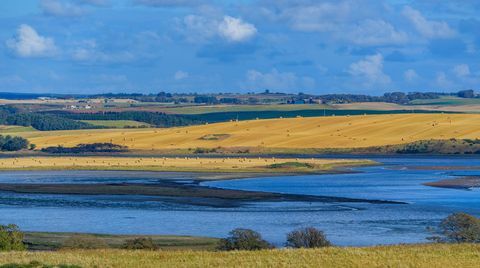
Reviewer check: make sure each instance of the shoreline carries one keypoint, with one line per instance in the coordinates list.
(460, 183)
(184, 164)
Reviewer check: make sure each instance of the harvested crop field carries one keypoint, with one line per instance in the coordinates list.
(313, 132)
(184, 164)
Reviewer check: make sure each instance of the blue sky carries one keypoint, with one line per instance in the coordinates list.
(369, 47)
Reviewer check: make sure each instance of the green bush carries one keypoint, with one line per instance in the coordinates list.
(243, 239)
(459, 228)
(84, 242)
(140, 243)
(11, 238)
(308, 237)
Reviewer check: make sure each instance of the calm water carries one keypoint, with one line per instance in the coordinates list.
(344, 223)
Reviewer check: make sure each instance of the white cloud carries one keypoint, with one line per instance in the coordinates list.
(410, 75)
(371, 69)
(427, 28)
(376, 32)
(28, 43)
(276, 80)
(180, 75)
(235, 29)
(61, 8)
(197, 28)
(461, 70)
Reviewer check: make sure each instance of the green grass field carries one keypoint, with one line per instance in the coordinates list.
(447, 100)
(4, 129)
(54, 241)
(428, 256)
(116, 123)
(245, 108)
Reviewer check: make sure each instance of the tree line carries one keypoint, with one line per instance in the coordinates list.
(157, 119)
(86, 148)
(12, 116)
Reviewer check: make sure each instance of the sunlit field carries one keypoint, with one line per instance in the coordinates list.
(435, 255)
(224, 164)
(313, 132)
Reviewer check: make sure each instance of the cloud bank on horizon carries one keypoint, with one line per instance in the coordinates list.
(313, 46)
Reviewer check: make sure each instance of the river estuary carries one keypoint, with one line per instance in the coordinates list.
(396, 179)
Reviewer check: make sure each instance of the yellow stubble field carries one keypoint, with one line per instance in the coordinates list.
(193, 164)
(313, 132)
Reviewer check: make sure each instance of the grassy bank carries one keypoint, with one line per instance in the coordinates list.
(55, 241)
(434, 255)
(180, 164)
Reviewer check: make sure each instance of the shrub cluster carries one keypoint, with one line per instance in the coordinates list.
(246, 239)
(87, 148)
(140, 243)
(458, 228)
(11, 238)
(9, 143)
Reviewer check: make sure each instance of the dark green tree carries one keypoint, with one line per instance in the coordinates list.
(308, 237)
(243, 239)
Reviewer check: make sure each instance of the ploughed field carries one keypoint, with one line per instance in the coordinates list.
(433, 255)
(313, 132)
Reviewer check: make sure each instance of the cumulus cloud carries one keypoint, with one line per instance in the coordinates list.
(341, 20)
(427, 28)
(371, 69)
(461, 70)
(198, 28)
(410, 75)
(28, 43)
(276, 80)
(180, 75)
(236, 30)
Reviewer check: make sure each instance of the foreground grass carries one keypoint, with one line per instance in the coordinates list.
(313, 132)
(434, 255)
(183, 164)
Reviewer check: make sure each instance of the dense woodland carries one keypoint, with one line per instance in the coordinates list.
(12, 116)
(157, 119)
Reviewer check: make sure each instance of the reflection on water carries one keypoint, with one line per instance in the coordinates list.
(345, 224)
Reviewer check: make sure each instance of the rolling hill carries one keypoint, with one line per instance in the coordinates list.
(314, 132)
